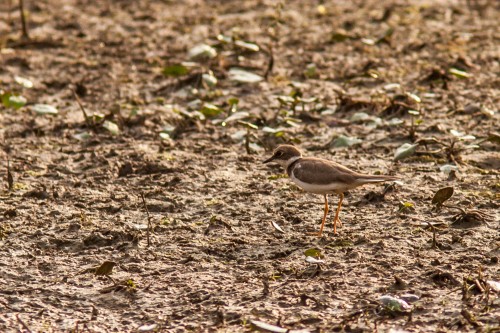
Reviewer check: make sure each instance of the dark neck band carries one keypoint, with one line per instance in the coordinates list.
(290, 167)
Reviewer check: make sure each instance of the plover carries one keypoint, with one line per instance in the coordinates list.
(320, 176)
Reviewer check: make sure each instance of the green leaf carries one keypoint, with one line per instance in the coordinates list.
(345, 141)
(210, 110)
(394, 304)
(406, 207)
(5, 98)
(23, 81)
(442, 195)
(240, 75)
(311, 71)
(278, 176)
(44, 109)
(233, 101)
(111, 127)
(404, 151)
(313, 252)
(175, 70)
(17, 102)
(458, 73)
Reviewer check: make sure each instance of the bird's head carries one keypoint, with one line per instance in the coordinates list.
(285, 155)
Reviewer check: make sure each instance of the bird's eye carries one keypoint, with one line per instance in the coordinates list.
(279, 153)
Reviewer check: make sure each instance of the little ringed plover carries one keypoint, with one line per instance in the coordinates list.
(320, 176)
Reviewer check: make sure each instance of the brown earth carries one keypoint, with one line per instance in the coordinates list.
(215, 262)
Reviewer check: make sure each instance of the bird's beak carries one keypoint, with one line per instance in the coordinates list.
(269, 160)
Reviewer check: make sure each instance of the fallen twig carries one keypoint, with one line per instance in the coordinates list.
(23, 20)
(87, 119)
(23, 324)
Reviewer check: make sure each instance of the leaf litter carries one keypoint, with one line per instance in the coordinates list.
(70, 193)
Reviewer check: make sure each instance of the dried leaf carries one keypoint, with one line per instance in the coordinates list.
(111, 127)
(247, 45)
(106, 268)
(277, 227)
(44, 109)
(237, 116)
(202, 51)
(209, 79)
(404, 151)
(274, 329)
(345, 141)
(313, 260)
(240, 75)
(442, 195)
(23, 81)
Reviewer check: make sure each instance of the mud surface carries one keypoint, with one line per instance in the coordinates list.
(215, 262)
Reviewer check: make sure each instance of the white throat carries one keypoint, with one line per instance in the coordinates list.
(287, 163)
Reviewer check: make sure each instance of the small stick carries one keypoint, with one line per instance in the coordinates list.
(10, 178)
(23, 324)
(23, 20)
(247, 142)
(270, 65)
(87, 119)
(434, 242)
(149, 218)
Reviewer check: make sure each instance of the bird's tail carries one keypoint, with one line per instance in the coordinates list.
(366, 179)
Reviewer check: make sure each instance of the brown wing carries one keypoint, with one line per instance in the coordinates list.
(323, 172)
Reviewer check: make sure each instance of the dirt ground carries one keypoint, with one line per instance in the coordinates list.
(71, 189)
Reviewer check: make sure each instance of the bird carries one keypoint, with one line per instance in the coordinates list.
(321, 176)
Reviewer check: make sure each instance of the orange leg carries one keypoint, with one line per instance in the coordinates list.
(324, 219)
(337, 214)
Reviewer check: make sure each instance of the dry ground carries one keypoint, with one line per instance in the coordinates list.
(215, 262)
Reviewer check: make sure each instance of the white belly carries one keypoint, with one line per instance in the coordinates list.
(320, 189)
